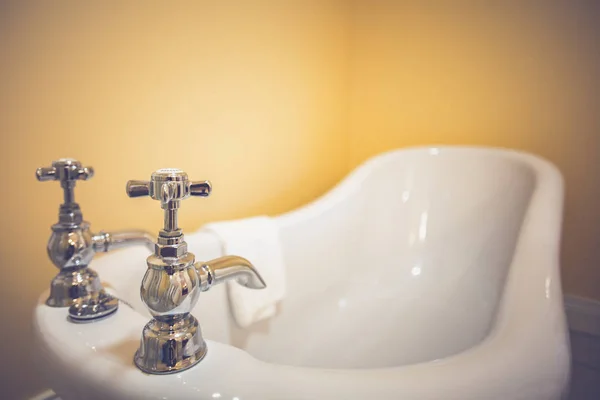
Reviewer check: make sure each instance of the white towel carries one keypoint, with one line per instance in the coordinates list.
(256, 239)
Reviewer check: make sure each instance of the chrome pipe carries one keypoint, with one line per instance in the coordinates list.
(108, 241)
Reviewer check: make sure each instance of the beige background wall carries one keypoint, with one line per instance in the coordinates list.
(516, 74)
(248, 94)
(275, 102)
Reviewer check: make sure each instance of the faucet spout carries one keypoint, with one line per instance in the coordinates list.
(225, 268)
(108, 241)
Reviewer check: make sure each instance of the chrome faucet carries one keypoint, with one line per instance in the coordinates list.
(172, 340)
(72, 247)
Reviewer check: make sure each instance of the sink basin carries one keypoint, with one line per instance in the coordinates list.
(428, 273)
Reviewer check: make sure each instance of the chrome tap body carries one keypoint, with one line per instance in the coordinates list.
(172, 341)
(72, 246)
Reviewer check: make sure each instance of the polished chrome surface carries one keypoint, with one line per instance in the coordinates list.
(225, 268)
(172, 341)
(72, 247)
(71, 284)
(168, 288)
(107, 241)
(98, 304)
(68, 171)
(170, 346)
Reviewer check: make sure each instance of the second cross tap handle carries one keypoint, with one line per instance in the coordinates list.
(64, 169)
(67, 171)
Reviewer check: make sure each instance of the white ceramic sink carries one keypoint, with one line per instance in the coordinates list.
(428, 273)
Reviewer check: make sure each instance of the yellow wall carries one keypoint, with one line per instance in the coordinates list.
(274, 102)
(248, 94)
(513, 74)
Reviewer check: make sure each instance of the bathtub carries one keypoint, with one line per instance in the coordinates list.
(427, 273)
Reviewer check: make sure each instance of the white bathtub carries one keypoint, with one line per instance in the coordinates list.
(428, 273)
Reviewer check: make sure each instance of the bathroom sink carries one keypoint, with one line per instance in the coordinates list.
(428, 273)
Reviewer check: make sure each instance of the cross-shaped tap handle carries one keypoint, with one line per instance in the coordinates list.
(67, 171)
(170, 186)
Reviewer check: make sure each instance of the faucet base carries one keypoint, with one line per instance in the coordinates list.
(94, 307)
(72, 284)
(170, 346)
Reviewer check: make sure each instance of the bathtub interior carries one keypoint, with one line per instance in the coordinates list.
(403, 262)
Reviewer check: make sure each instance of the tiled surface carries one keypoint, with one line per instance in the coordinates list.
(585, 379)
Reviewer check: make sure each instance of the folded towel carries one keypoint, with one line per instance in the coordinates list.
(256, 239)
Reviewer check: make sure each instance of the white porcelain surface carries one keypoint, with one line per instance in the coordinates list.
(428, 273)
